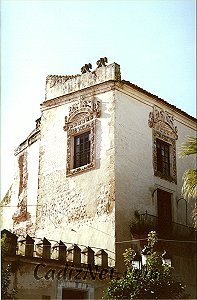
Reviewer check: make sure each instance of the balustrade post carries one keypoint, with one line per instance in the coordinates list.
(62, 252)
(29, 247)
(75, 253)
(103, 257)
(88, 253)
(46, 254)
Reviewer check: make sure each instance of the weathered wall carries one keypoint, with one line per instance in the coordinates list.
(78, 208)
(185, 270)
(49, 280)
(135, 180)
(20, 213)
(32, 186)
(9, 203)
(134, 175)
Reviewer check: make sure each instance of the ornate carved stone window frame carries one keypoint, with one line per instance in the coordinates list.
(163, 129)
(82, 118)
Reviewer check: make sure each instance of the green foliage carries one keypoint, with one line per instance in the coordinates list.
(128, 257)
(6, 292)
(153, 281)
(189, 147)
(152, 239)
(189, 188)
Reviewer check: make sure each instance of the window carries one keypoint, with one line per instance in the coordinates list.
(165, 135)
(163, 157)
(80, 125)
(82, 149)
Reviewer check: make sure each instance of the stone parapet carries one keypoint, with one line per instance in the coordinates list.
(61, 85)
(26, 246)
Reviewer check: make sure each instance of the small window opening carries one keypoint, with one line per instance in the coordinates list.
(82, 149)
(163, 157)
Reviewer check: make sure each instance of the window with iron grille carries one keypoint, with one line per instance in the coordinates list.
(82, 149)
(163, 157)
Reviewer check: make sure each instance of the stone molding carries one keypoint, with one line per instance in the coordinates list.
(71, 98)
(164, 129)
(82, 118)
(32, 138)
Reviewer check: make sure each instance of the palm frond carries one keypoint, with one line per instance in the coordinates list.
(189, 147)
(189, 188)
(194, 214)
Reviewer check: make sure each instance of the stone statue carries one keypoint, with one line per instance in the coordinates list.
(86, 68)
(101, 62)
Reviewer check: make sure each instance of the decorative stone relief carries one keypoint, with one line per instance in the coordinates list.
(82, 118)
(163, 129)
(163, 122)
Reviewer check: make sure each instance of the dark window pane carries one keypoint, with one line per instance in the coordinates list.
(74, 294)
(163, 162)
(82, 150)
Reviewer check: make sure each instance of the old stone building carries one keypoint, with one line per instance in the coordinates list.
(101, 169)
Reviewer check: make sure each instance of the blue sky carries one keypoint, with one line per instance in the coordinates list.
(152, 40)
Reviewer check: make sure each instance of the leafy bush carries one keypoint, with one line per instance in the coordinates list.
(154, 280)
(6, 291)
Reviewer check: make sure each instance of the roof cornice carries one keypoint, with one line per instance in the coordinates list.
(158, 99)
